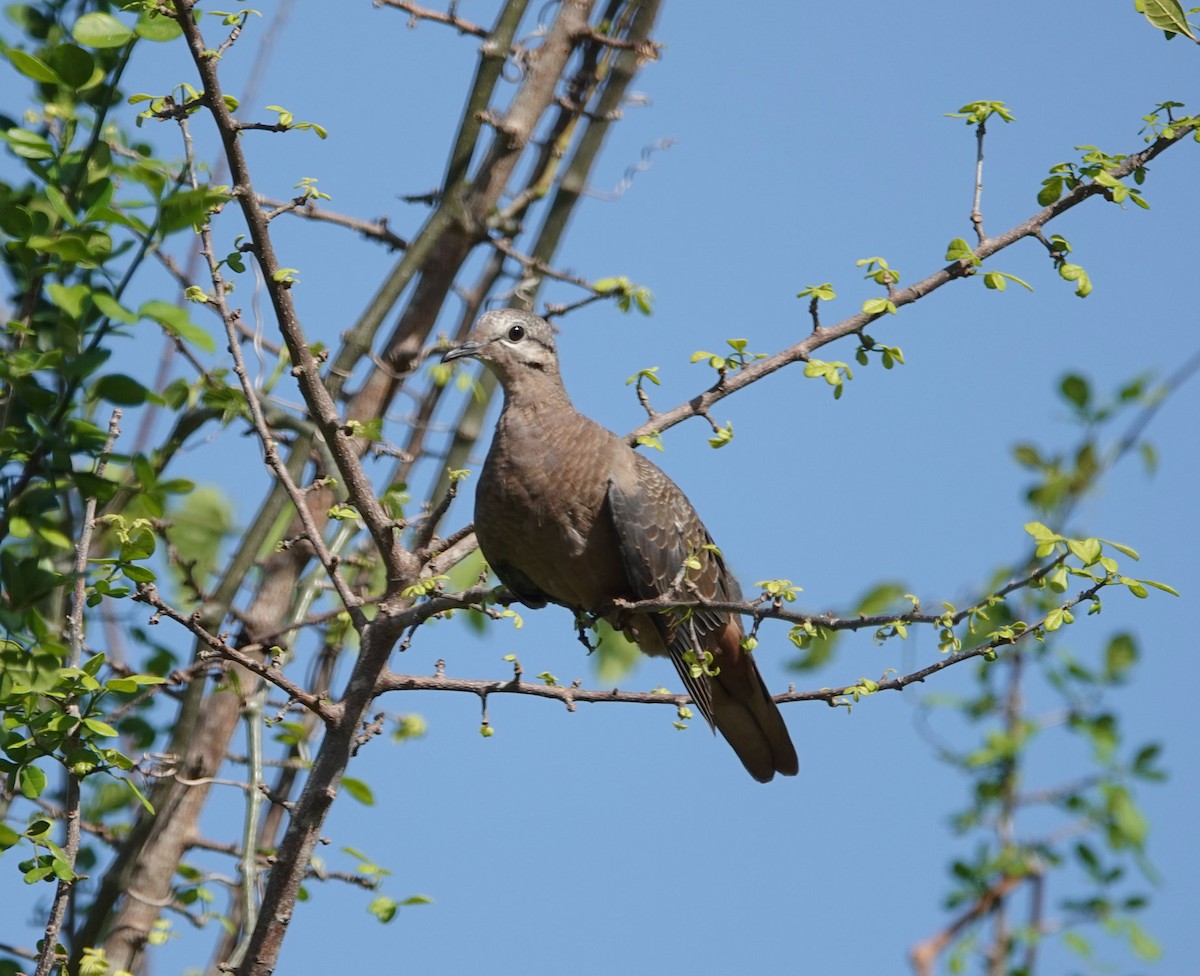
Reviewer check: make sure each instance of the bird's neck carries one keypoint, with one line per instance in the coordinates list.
(535, 396)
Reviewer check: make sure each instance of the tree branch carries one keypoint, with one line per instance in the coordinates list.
(569, 695)
(306, 207)
(800, 352)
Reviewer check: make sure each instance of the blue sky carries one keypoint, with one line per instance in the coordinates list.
(805, 137)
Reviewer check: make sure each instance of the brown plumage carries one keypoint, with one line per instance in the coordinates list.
(567, 512)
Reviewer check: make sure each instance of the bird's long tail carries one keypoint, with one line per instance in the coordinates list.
(743, 710)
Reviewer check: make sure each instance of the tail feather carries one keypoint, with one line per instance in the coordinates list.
(745, 713)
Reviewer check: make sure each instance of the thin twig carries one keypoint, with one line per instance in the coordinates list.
(377, 230)
(148, 593)
(976, 214)
(272, 456)
(70, 848)
(418, 13)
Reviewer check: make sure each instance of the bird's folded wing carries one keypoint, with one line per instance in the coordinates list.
(659, 533)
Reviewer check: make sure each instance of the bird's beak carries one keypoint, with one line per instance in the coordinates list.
(461, 351)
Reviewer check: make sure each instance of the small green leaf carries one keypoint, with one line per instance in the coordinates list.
(1087, 551)
(1126, 550)
(1041, 533)
(100, 728)
(959, 250)
(1120, 655)
(1076, 389)
(112, 308)
(1051, 190)
(153, 26)
(359, 790)
(176, 321)
(138, 574)
(120, 389)
(31, 781)
(1136, 588)
(383, 908)
(100, 30)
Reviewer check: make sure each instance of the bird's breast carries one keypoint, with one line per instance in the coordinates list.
(540, 507)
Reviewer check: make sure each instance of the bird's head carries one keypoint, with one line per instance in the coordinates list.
(511, 343)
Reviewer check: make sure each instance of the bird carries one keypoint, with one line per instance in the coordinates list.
(566, 512)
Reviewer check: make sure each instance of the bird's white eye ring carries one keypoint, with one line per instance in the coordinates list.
(516, 333)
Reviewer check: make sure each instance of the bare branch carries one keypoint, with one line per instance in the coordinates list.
(377, 230)
(451, 19)
(148, 593)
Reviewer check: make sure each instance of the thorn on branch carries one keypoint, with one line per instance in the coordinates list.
(431, 199)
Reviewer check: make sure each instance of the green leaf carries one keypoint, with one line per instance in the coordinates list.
(359, 790)
(31, 782)
(138, 574)
(383, 908)
(75, 66)
(176, 321)
(28, 145)
(878, 306)
(1128, 826)
(959, 250)
(1167, 15)
(112, 308)
(120, 389)
(69, 298)
(16, 222)
(1143, 762)
(100, 728)
(1142, 943)
(32, 67)
(1075, 389)
(1120, 655)
(1087, 551)
(1131, 553)
(1041, 533)
(1051, 190)
(100, 30)
(190, 208)
(156, 27)
(8, 837)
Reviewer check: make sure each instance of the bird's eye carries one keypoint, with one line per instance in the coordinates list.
(516, 333)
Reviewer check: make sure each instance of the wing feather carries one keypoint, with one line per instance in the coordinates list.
(658, 534)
